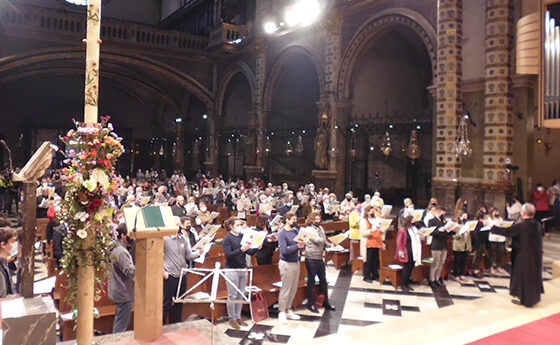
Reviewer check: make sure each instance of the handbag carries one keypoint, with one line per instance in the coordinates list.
(259, 308)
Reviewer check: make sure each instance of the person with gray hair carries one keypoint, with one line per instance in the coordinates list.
(526, 284)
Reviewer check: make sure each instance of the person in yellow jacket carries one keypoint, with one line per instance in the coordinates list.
(354, 225)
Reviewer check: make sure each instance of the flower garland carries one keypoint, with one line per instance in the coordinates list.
(86, 210)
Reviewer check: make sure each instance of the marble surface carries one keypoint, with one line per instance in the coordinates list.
(202, 326)
(29, 321)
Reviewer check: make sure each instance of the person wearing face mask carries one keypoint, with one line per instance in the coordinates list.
(438, 247)
(460, 207)
(461, 248)
(408, 205)
(288, 267)
(496, 244)
(191, 207)
(286, 207)
(203, 213)
(314, 252)
(176, 255)
(8, 241)
(264, 255)
(370, 244)
(235, 259)
(541, 200)
(179, 209)
(121, 281)
(346, 206)
(479, 241)
(409, 251)
(243, 206)
(330, 206)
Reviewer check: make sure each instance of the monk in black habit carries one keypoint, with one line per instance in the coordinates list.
(526, 257)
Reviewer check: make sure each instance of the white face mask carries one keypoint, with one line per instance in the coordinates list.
(14, 249)
(371, 220)
(198, 221)
(203, 209)
(238, 230)
(268, 212)
(122, 220)
(540, 189)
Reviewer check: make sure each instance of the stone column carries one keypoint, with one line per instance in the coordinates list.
(498, 123)
(262, 9)
(448, 98)
(211, 162)
(179, 159)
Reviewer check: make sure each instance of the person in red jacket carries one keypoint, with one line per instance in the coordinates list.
(409, 251)
(541, 200)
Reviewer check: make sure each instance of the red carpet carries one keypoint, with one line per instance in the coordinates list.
(542, 332)
(187, 336)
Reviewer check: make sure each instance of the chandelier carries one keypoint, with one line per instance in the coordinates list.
(267, 146)
(299, 146)
(289, 149)
(463, 144)
(386, 145)
(413, 150)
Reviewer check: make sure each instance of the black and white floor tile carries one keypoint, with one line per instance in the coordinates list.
(359, 304)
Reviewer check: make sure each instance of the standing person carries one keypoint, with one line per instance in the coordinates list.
(176, 255)
(121, 281)
(526, 274)
(314, 252)
(8, 241)
(377, 183)
(438, 247)
(288, 267)
(479, 242)
(370, 243)
(354, 226)
(496, 244)
(409, 251)
(541, 201)
(235, 259)
(264, 255)
(513, 208)
(461, 247)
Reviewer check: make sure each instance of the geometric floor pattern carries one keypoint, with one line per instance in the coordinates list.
(359, 303)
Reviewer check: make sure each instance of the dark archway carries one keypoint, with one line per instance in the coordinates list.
(293, 112)
(389, 90)
(237, 107)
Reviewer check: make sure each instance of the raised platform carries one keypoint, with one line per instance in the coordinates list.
(196, 332)
(456, 324)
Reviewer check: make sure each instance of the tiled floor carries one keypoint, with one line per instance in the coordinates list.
(359, 304)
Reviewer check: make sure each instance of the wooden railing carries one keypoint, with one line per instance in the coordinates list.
(44, 23)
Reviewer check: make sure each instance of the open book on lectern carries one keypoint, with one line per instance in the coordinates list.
(149, 218)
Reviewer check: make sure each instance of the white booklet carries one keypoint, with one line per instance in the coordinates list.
(386, 210)
(468, 226)
(305, 233)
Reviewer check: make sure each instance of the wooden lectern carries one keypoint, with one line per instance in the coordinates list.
(148, 285)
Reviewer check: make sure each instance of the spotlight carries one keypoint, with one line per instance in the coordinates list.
(371, 148)
(309, 10)
(293, 15)
(391, 126)
(205, 116)
(418, 127)
(178, 120)
(270, 27)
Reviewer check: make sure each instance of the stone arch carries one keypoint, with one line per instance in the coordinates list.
(371, 29)
(281, 60)
(231, 71)
(15, 64)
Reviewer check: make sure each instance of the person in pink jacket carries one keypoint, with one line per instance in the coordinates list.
(409, 251)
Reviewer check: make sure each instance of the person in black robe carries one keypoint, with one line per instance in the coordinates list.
(526, 283)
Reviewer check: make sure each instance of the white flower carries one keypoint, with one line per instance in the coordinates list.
(98, 176)
(81, 233)
(82, 216)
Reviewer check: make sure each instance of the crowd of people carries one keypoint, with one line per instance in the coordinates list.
(277, 208)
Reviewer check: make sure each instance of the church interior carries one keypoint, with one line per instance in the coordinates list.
(355, 104)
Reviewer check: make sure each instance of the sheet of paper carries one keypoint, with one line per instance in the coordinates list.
(214, 215)
(199, 295)
(276, 220)
(201, 244)
(395, 267)
(382, 224)
(468, 226)
(417, 215)
(294, 209)
(241, 214)
(449, 226)
(277, 284)
(386, 210)
(205, 251)
(338, 239)
(505, 223)
(426, 231)
(305, 234)
(486, 228)
(44, 286)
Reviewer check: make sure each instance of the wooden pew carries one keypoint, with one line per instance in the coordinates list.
(264, 276)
